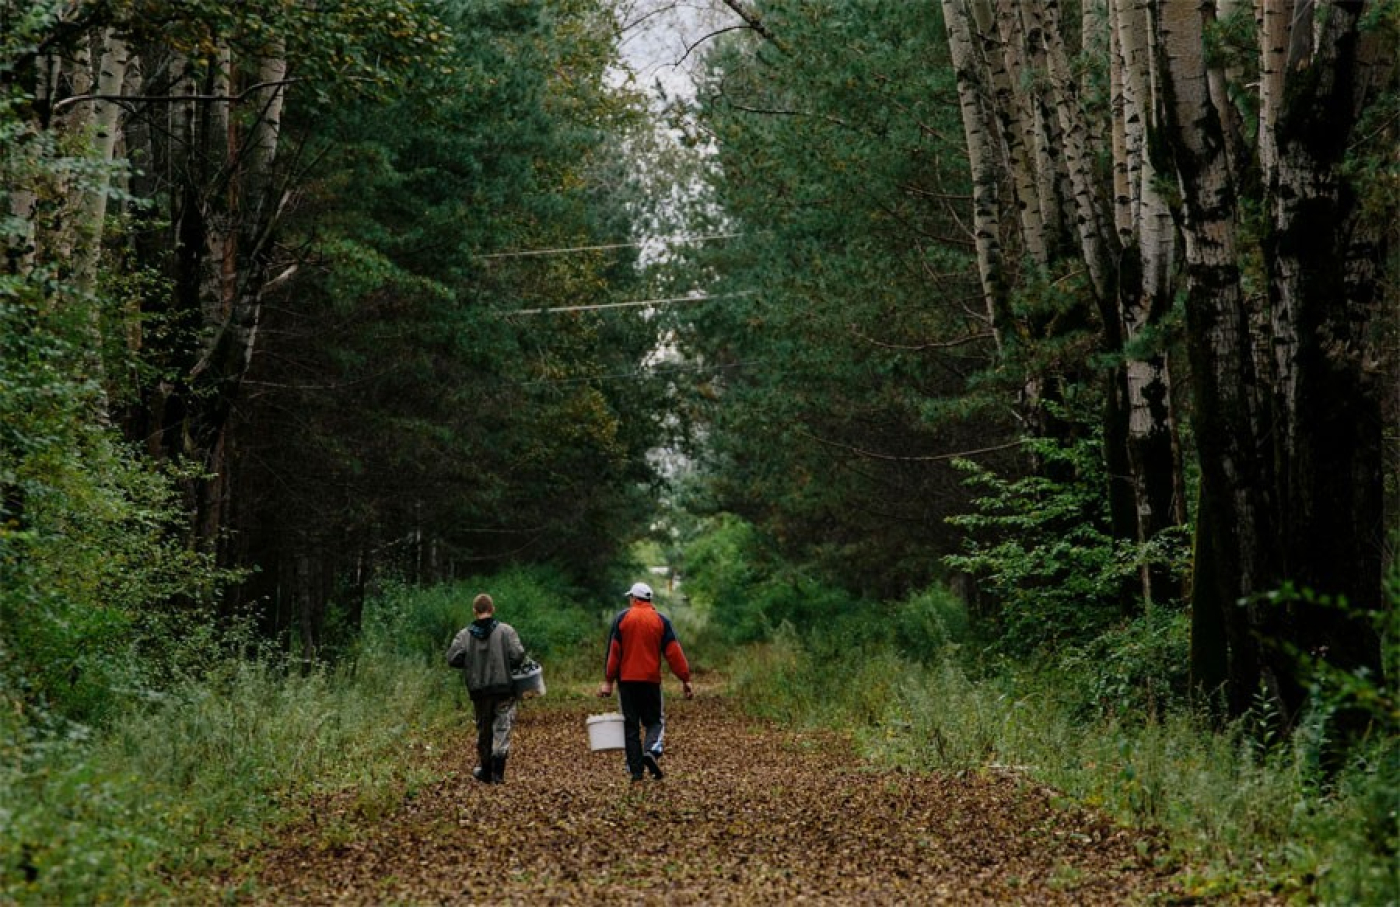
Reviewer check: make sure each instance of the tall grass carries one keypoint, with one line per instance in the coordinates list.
(147, 806)
(1239, 813)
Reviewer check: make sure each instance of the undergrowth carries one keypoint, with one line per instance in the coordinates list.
(168, 792)
(1241, 811)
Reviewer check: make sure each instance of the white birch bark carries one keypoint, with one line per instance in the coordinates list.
(1133, 103)
(1275, 27)
(1025, 63)
(1074, 130)
(1232, 531)
(1150, 233)
(24, 197)
(266, 134)
(221, 146)
(226, 359)
(1121, 131)
(1219, 78)
(1012, 110)
(74, 122)
(1296, 181)
(982, 156)
(104, 122)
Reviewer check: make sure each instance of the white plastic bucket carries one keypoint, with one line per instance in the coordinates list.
(529, 682)
(605, 732)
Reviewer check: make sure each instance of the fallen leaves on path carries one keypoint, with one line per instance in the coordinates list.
(747, 814)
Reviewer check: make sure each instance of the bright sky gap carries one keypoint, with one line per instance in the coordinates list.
(636, 302)
(663, 240)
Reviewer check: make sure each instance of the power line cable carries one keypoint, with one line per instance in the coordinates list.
(566, 250)
(631, 303)
(647, 373)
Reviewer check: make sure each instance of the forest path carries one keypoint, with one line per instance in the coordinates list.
(748, 813)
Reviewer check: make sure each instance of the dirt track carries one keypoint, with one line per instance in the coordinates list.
(747, 814)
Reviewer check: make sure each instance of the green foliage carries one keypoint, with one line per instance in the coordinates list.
(1042, 549)
(1361, 689)
(1138, 670)
(927, 623)
(813, 382)
(1107, 722)
(402, 395)
(1245, 818)
(744, 594)
(91, 549)
(176, 788)
(150, 807)
(559, 624)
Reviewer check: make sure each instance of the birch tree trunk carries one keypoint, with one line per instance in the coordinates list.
(1070, 214)
(1148, 239)
(1233, 532)
(104, 123)
(1099, 252)
(74, 123)
(1288, 405)
(983, 160)
(1017, 132)
(243, 267)
(1323, 296)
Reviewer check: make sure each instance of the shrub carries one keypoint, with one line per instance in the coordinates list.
(745, 596)
(556, 621)
(1042, 547)
(929, 621)
(163, 793)
(1138, 670)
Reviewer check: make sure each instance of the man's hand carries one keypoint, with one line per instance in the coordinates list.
(605, 689)
(686, 688)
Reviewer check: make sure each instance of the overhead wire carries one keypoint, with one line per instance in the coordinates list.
(645, 373)
(630, 303)
(565, 250)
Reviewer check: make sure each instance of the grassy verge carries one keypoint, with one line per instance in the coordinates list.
(173, 790)
(1238, 815)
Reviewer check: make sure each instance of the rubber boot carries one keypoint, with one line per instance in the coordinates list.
(498, 769)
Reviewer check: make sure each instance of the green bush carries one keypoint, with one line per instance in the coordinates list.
(1244, 816)
(743, 595)
(1042, 549)
(171, 790)
(1138, 670)
(822, 677)
(558, 623)
(929, 621)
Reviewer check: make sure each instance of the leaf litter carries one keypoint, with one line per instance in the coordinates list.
(748, 812)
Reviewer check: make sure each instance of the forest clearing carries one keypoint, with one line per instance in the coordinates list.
(748, 813)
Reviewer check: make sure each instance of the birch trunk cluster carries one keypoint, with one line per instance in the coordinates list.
(1047, 208)
(1289, 392)
(1205, 152)
(184, 143)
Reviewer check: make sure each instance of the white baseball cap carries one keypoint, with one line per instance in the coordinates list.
(640, 591)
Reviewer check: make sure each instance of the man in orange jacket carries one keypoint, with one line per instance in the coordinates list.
(638, 639)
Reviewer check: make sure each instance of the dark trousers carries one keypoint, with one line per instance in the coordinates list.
(494, 717)
(641, 712)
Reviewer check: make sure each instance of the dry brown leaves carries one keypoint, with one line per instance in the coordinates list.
(746, 814)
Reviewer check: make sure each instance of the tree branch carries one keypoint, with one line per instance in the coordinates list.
(920, 347)
(176, 98)
(754, 22)
(713, 34)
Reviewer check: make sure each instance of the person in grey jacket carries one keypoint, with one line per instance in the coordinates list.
(486, 650)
